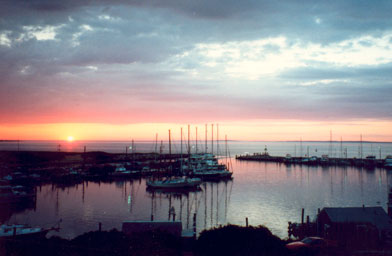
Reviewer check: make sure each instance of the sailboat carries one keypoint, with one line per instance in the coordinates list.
(207, 167)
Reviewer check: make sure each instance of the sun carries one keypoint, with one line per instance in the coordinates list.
(70, 138)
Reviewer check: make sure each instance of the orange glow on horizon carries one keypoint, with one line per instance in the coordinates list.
(261, 130)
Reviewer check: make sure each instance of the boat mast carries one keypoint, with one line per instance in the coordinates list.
(181, 153)
(169, 143)
(341, 147)
(330, 144)
(189, 144)
(196, 139)
(206, 139)
(361, 147)
(156, 146)
(217, 139)
(212, 138)
(300, 147)
(226, 148)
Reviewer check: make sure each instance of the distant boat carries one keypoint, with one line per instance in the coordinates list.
(370, 161)
(388, 162)
(324, 159)
(22, 231)
(288, 159)
(175, 183)
(213, 174)
(206, 167)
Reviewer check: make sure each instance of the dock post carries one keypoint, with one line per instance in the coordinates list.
(99, 226)
(302, 216)
(246, 221)
(152, 217)
(14, 233)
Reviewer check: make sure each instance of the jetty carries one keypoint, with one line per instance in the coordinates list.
(368, 162)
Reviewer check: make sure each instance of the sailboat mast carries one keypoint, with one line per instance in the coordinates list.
(196, 139)
(169, 143)
(217, 139)
(181, 152)
(300, 147)
(212, 138)
(341, 147)
(361, 147)
(206, 139)
(189, 144)
(330, 144)
(226, 148)
(156, 143)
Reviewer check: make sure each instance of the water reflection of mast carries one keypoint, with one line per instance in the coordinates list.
(187, 211)
(132, 196)
(217, 202)
(152, 206)
(170, 206)
(57, 203)
(205, 205)
(225, 201)
(83, 191)
(180, 207)
(212, 203)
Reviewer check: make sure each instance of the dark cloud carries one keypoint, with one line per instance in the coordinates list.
(122, 55)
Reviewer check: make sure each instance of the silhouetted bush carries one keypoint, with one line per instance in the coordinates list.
(236, 240)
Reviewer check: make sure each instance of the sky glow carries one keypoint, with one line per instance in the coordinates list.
(249, 66)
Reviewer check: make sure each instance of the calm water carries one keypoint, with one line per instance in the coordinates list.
(334, 149)
(267, 193)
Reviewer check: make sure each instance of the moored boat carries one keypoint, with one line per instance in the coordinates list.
(21, 231)
(171, 183)
(388, 162)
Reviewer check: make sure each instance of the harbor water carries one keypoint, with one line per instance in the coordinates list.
(267, 193)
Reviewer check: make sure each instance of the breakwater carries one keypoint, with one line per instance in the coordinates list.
(319, 161)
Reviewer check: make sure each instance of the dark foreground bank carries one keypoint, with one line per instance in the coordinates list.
(227, 240)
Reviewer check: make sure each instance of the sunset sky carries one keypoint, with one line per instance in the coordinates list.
(263, 70)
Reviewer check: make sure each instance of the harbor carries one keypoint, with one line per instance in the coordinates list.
(92, 190)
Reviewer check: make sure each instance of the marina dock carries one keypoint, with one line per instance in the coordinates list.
(369, 162)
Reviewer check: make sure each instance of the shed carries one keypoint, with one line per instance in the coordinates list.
(359, 225)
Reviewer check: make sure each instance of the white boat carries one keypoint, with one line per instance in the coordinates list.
(175, 183)
(288, 159)
(21, 231)
(324, 159)
(388, 162)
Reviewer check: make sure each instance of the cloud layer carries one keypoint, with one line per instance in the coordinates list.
(165, 61)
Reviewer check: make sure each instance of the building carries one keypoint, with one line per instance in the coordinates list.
(355, 226)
